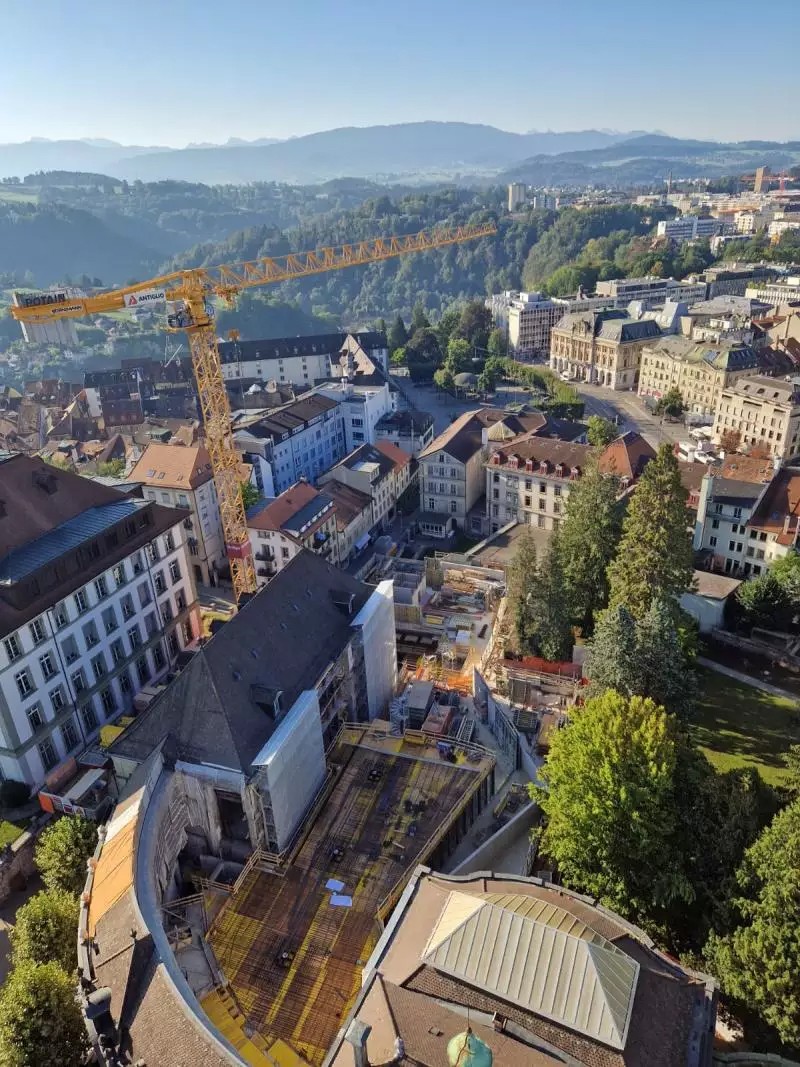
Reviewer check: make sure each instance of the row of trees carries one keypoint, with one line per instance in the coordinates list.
(634, 814)
(40, 1018)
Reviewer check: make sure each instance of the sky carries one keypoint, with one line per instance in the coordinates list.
(169, 72)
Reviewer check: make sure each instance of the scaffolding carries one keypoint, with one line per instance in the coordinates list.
(292, 948)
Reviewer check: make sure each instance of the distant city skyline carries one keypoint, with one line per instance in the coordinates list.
(193, 72)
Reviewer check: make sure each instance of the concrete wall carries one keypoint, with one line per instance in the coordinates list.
(376, 621)
(291, 766)
(16, 864)
(489, 855)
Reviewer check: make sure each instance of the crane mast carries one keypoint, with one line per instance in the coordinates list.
(192, 292)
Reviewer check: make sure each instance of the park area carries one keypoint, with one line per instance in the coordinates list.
(737, 725)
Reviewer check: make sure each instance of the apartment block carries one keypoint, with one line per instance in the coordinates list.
(279, 529)
(362, 408)
(410, 430)
(689, 228)
(302, 439)
(601, 346)
(180, 476)
(529, 480)
(296, 360)
(382, 472)
(97, 600)
(777, 294)
(761, 412)
(650, 292)
(700, 371)
(528, 318)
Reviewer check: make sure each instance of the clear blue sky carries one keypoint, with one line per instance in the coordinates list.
(174, 71)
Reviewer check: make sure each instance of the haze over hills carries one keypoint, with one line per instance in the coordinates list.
(409, 148)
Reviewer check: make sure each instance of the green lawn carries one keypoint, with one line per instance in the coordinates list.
(9, 832)
(11, 196)
(739, 726)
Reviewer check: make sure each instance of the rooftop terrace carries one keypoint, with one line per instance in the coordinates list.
(292, 943)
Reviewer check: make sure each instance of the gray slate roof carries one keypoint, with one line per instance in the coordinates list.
(282, 639)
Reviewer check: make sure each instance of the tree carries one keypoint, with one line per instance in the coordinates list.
(587, 541)
(786, 572)
(764, 601)
(610, 807)
(444, 379)
(522, 579)
(612, 654)
(40, 1019)
(497, 345)
(398, 357)
(664, 672)
(550, 621)
(447, 325)
(474, 324)
(729, 440)
(115, 468)
(419, 318)
(250, 494)
(671, 404)
(600, 432)
(46, 929)
(398, 334)
(758, 962)
(459, 356)
(62, 852)
(654, 555)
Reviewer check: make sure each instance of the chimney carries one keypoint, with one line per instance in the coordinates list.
(786, 519)
(357, 1034)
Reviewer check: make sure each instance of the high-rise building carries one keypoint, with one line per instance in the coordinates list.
(517, 195)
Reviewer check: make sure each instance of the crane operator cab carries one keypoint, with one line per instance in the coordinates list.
(179, 317)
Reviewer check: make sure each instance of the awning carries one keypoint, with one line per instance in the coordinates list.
(84, 784)
(362, 542)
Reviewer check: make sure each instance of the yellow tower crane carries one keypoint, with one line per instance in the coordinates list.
(190, 294)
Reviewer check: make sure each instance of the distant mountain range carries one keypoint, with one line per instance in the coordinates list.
(650, 158)
(414, 148)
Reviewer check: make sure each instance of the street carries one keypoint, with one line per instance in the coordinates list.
(598, 399)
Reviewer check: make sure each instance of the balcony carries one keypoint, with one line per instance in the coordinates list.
(265, 555)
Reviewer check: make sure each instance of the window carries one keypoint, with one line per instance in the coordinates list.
(124, 680)
(78, 680)
(35, 717)
(134, 636)
(731, 546)
(81, 601)
(542, 487)
(70, 650)
(37, 631)
(117, 650)
(160, 584)
(150, 624)
(99, 668)
(24, 682)
(540, 521)
(431, 504)
(173, 644)
(158, 657)
(143, 670)
(90, 635)
(61, 615)
(542, 505)
(101, 587)
(453, 506)
(166, 611)
(138, 566)
(108, 700)
(120, 577)
(715, 524)
(495, 510)
(128, 610)
(152, 552)
(284, 552)
(145, 596)
(712, 542)
(11, 645)
(69, 735)
(47, 753)
(169, 542)
(180, 600)
(57, 698)
(88, 717)
(737, 513)
(47, 665)
(556, 490)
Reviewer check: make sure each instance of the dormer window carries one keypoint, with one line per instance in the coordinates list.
(497, 458)
(543, 466)
(559, 470)
(528, 464)
(513, 462)
(574, 472)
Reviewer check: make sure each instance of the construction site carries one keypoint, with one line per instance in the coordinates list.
(291, 939)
